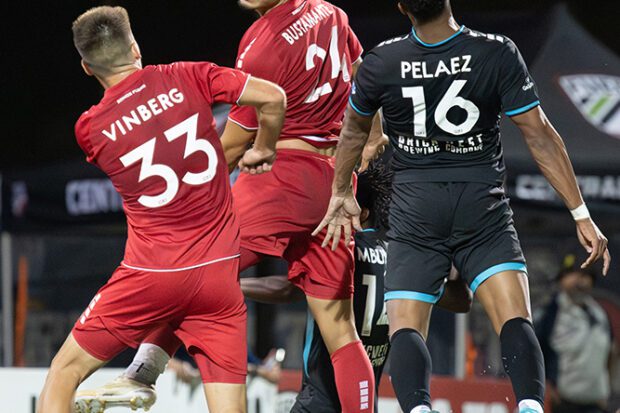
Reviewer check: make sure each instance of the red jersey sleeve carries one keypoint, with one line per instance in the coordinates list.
(82, 129)
(216, 83)
(245, 116)
(354, 45)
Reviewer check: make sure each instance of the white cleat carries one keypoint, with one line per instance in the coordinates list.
(121, 392)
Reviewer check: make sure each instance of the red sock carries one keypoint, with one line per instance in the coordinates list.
(355, 379)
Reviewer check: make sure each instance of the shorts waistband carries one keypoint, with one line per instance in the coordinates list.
(301, 152)
(191, 267)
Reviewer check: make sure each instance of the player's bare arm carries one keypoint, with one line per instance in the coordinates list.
(236, 140)
(375, 146)
(274, 289)
(549, 152)
(343, 211)
(377, 140)
(270, 103)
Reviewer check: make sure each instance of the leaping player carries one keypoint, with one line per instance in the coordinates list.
(443, 88)
(154, 135)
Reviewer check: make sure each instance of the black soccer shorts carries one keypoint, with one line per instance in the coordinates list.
(436, 224)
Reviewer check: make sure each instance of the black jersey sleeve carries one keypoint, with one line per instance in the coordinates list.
(367, 89)
(516, 87)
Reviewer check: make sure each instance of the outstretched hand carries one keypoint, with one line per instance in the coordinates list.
(342, 214)
(594, 242)
(257, 161)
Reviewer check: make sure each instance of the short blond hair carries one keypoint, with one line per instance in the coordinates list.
(102, 36)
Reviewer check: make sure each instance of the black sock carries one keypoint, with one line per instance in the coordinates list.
(410, 369)
(523, 360)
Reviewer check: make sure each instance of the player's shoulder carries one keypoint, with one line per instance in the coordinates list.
(391, 45)
(82, 125)
(176, 67)
(386, 53)
(340, 13)
(493, 42)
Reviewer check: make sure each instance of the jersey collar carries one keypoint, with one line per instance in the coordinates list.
(415, 36)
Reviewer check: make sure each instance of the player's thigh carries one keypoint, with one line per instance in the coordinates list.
(287, 202)
(127, 308)
(484, 239)
(320, 272)
(214, 327)
(505, 296)
(335, 320)
(418, 259)
(73, 363)
(225, 397)
(415, 272)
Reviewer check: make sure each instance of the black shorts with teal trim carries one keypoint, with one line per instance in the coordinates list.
(436, 224)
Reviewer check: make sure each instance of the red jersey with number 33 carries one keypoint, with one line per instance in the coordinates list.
(306, 47)
(154, 135)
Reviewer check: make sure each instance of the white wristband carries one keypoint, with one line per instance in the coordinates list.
(581, 212)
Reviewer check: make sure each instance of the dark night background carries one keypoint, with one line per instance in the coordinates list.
(44, 89)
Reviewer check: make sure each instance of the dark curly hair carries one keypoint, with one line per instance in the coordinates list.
(374, 192)
(425, 10)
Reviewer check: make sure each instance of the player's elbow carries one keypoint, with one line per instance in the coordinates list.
(276, 98)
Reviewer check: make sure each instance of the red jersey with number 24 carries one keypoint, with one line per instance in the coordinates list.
(306, 47)
(154, 135)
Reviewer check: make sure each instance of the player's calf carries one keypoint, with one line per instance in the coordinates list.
(505, 298)
(353, 372)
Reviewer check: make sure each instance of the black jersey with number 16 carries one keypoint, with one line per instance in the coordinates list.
(442, 103)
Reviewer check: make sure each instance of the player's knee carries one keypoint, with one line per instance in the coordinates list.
(339, 334)
(65, 372)
(408, 314)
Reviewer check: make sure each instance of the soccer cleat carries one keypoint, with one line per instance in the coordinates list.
(121, 392)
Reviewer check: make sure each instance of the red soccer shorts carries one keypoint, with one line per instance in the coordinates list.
(203, 306)
(278, 212)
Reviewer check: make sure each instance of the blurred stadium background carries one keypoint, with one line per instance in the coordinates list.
(62, 223)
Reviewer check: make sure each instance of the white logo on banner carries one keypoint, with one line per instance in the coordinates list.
(598, 99)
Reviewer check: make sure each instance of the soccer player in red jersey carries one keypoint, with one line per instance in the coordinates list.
(308, 48)
(153, 134)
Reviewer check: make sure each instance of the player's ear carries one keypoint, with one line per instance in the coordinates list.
(135, 51)
(402, 9)
(86, 68)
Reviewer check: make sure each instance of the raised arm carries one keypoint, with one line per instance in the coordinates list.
(549, 152)
(270, 103)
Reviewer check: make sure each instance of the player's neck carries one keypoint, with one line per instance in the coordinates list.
(115, 78)
(262, 12)
(438, 30)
